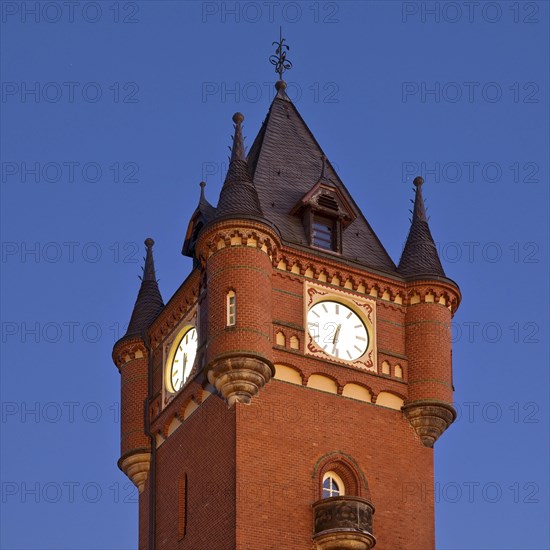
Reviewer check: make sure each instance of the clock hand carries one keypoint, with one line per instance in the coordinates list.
(335, 340)
(336, 334)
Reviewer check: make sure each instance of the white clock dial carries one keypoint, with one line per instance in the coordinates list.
(338, 330)
(183, 360)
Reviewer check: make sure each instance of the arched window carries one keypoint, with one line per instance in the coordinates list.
(337, 474)
(333, 486)
(231, 308)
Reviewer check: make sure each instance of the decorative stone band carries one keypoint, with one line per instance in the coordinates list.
(240, 378)
(227, 233)
(429, 418)
(127, 349)
(343, 523)
(136, 467)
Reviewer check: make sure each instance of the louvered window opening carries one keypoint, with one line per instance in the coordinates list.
(326, 201)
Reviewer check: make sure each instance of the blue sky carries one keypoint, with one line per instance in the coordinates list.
(114, 111)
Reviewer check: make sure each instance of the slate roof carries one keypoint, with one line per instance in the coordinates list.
(420, 255)
(204, 208)
(238, 195)
(149, 300)
(203, 214)
(286, 161)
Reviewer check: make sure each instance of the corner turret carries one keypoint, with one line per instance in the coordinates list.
(237, 247)
(131, 356)
(432, 301)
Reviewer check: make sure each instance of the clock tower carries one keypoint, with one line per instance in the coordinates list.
(289, 394)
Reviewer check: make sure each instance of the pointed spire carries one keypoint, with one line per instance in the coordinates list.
(204, 213)
(204, 207)
(420, 255)
(149, 300)
(285, 146)
(238, 195)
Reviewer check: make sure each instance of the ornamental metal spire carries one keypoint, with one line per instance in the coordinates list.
(278, 59)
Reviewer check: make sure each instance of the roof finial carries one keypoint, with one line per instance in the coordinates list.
(279, 57)
(419, 211)
(149, 267)
(237, 151)
(203, 185)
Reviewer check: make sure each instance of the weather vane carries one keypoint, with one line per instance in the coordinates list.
(279, 57)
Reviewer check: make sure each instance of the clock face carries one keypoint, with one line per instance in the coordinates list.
(337, 330)
(183, 360)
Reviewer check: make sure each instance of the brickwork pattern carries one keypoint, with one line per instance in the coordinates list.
(249, 470)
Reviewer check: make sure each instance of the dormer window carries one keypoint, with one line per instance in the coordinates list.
(325, 214)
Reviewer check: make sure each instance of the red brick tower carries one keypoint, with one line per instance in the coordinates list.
(297, 380)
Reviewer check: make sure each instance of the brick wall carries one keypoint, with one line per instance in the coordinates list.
(281, 436)
(202, 449)
(248, 470)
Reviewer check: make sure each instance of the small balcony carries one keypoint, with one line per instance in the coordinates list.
(343, 523)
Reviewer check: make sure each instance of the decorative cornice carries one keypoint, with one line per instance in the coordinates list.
(242, 232)
(176, 310)
(291, 263)
(128, 349)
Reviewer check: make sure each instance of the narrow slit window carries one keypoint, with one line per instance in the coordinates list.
(182, 505)
(231, 308)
